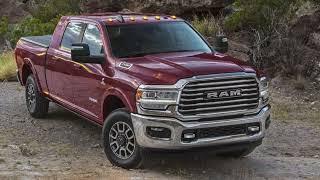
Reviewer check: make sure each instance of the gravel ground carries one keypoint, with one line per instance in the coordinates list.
(65, 146)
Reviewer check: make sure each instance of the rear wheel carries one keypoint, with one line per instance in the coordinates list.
(119, 140)
(37, 105)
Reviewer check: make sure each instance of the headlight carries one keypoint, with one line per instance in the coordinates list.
(263, 86)
(157, 99)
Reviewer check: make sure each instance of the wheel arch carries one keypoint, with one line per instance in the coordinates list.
(115, 99)
(28, 69)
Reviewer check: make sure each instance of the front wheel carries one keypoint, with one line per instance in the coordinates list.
(119, 141)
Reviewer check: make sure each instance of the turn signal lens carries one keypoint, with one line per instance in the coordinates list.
(110, 19)
(174, 17)
(139, 94)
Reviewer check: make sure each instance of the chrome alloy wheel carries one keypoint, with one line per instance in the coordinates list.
(122, 140)
(31, 96)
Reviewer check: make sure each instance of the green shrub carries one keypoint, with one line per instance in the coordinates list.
(44, 18)
(32, 27)
(7, 66)
(260, 14)
(208, 26)
(4, 25)
(48, 10)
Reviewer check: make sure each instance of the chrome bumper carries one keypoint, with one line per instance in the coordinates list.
(141, 122)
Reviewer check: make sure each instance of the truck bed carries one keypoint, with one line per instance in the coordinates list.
(43, 41)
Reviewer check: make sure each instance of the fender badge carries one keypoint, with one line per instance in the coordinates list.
(93, 100)
(219, 55)
(125, 65)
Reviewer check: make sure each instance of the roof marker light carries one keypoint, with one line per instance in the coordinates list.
(145, 17)
(157, 17)
(132, 18)
(173, 17)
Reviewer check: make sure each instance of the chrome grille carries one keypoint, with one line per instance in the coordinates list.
(194, 100)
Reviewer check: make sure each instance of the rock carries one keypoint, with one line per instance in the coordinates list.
(26, 151)
(176, 7)
(314, 40)
(288, 154)
(304, 26)
(14, 147)
(2, 161)
(96, 146)
(238, 50)
(276, 81)
(14, 9)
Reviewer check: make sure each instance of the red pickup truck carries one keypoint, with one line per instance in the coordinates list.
(151, 81)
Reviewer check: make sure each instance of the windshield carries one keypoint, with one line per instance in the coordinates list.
(142, 39)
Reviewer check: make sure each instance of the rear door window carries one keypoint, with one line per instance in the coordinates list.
(92, 37)
(71, 35)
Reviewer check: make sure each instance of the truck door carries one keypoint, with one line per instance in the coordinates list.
(60, 66)
(90, 84)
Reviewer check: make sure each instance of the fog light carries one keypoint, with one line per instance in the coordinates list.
(159, 132)
(189, 136)
(254, 129)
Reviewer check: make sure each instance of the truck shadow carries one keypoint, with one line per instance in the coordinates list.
(180, 163)
(201, 164)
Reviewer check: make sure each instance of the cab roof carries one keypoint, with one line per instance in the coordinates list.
(111, 18)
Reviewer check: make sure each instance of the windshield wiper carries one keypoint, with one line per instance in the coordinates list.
(134, 55)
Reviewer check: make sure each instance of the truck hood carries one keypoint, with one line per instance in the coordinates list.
(168, 68)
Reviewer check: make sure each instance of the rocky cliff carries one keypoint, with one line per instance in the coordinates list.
(178, 7)
(13, 9)
(17, 9)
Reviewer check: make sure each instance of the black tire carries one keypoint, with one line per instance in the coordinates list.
(117, 146)
(237, 153)
(37, 105)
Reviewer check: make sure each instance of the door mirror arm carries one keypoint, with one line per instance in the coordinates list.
(221, 44)
(80, 52)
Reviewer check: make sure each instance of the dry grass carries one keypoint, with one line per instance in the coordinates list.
(208, 26)
(7, 66)
(287, 110)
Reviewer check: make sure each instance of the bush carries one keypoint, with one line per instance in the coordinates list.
(48, 10)
(260, 14)
(32, 27)
(7, 66)
(208, 26)
(44, 18)
(288, 57)
(4, 25)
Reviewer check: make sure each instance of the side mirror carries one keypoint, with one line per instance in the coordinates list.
(80, 52)
(221, 44)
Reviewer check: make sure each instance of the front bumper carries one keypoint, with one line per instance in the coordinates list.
(141, 122)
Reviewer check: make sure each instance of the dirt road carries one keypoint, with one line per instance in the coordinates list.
(66, 146)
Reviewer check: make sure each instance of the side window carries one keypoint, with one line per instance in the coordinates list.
(93, 39)
(71, 34)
